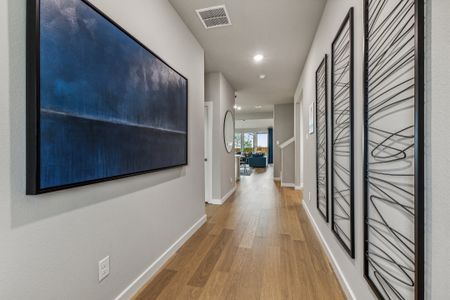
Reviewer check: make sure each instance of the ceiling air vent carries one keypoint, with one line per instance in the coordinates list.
(212, 17)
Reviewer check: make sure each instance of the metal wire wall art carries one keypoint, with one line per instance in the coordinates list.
(342, 158)
(393, 160)
(322, 138)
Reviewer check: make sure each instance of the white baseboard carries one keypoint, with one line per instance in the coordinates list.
(143, 278)
(277, 178)
(287, 184)
(215, 201)
(299, 187)
(224, 198)
(337, 269)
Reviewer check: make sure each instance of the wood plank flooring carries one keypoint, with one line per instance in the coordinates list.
(258, 245)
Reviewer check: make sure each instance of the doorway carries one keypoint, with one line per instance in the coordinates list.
(299, 139)
(302, 141)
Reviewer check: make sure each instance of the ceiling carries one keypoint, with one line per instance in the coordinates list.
(254, 108)
(281, 30)
(254, 124)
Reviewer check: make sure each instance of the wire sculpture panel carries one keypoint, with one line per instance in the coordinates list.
(342, 199)
(322, 138)
(393, 227)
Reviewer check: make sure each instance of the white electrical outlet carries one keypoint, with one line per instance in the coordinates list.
(103, 268)
(309, 196)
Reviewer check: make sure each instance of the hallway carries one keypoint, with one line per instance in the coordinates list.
(258, 245)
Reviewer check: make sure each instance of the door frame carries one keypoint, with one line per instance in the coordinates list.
(208, 179)
(299, 133)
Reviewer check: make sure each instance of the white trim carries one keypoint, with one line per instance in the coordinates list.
(299, 187)
(277, 179)
(287, 143)
(143, 278)
(224, 198)
(208, 177)
(287, 184)
(311, 118)
(215, 201)
(337, 269)
(301, 141)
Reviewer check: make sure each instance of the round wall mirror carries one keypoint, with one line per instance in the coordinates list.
(228, 131)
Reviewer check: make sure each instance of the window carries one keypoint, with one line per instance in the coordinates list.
(262, 143)
(262, 140)
(248, 141)
(237, 142)
(252, 142)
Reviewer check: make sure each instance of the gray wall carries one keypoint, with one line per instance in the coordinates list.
(334, 13)
(283, 130)
(288, 169)
(227, 101)
(437, 258)
(51, 244)
(212, 93)
(437, 277)
(221, 93)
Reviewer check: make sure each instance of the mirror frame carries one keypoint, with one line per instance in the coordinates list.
(224, 124)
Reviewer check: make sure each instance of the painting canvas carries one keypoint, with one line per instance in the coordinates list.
(394, 148)
(100, 104)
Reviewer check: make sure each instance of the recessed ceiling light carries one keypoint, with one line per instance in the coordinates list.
(262, 76)
(235, 106)
(239, 108)
(258, 106)
(258, 57)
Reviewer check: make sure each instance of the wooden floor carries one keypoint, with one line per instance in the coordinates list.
(258, 245)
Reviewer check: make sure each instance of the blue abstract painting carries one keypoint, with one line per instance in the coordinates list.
(108, 107)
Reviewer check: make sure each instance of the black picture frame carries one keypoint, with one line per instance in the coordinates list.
(322, 96)
(33, 103)
(340, 41)
(418, 146)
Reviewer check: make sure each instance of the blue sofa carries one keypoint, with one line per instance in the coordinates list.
(257, 160)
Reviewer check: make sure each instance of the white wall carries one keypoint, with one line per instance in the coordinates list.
(437, 276)
(334, 13)
(221, 94)
(50, 244)
(283, 130)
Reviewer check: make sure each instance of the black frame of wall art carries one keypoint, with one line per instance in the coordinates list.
(323, 66)
(344, 42)
(417, 89)
(33, 103)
